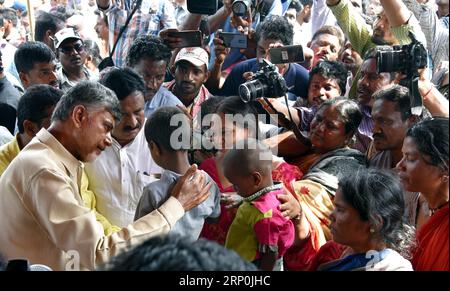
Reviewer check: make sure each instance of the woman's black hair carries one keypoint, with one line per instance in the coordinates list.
(348, 111)
(377, 196)
(431, 137)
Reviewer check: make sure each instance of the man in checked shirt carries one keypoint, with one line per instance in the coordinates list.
(150, 18)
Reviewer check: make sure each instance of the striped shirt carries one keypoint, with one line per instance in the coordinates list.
(152, 17)
(194, 107)
(359, 33)
(364, 133)
(435, 31)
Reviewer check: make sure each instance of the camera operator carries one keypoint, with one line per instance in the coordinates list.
(392, 26)
(275, 31)
(368, 83)
(435, 32)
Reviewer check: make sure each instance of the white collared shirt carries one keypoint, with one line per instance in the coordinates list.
(117, 178)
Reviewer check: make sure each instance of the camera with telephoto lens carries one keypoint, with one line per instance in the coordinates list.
(267, 82)
(404, 58)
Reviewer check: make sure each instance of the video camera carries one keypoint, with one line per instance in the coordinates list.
(403, 58)
(267, 82)
(406, 59)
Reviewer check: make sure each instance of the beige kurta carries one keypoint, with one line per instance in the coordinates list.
(43, 219)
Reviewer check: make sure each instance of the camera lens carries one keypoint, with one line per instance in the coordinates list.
(385, 62)
(252, 90)
(391, 61)
(240, 7)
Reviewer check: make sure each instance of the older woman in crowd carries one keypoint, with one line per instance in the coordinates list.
(331, 133)
(368, 224)
(328, 160)
(329, 157)
(424, 169)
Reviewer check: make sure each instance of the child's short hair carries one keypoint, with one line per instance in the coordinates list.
(249, 155)
(169, 128)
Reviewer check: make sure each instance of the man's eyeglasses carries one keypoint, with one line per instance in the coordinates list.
(67, 49)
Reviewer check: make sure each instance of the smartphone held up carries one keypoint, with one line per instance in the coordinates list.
(234, 40)
(287, 54)
(189, 38)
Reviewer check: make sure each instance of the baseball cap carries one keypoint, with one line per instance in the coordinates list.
(64, 34)
(196, 56)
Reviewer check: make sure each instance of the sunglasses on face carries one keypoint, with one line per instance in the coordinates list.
(67, 49)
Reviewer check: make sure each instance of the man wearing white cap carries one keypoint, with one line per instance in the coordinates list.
(72, 55)
(191, 72)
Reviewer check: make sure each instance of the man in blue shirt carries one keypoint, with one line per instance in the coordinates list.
(274, 31)
(149, 57)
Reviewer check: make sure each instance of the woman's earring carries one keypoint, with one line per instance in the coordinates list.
(372, 230)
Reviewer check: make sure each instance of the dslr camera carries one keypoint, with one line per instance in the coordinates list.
(267, 82)
(404, 59)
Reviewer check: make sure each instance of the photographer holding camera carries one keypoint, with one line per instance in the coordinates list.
(275, 31)
(392, 27)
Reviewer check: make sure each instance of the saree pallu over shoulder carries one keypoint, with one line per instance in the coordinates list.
(316, 200)
(299, 257)
(433, 243)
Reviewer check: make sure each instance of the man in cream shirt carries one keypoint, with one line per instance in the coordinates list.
(121, 172)
(42, 216)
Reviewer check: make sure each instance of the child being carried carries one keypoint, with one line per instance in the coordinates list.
(259, 232)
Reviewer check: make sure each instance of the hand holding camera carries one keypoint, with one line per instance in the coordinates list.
(267, 82)
(408, 60)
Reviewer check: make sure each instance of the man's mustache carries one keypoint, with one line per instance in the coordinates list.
(129, 128)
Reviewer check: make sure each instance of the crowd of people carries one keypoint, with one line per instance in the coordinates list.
(123, 149)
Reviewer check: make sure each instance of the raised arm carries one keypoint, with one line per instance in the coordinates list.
(192, 21)
(332, 2)
(402, 21)
(433, 100)
(353, 24)
(321, 15)
(435, 33)
(396, 12)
